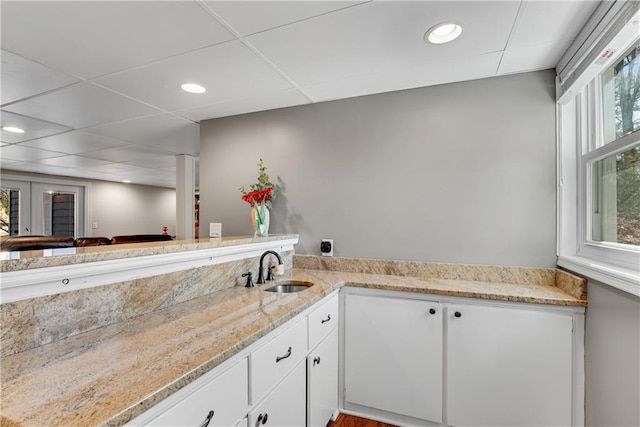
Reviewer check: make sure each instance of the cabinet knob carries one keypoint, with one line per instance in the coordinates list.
(457, 314)
(262, 418)
(316, 361)
(432, 311)
(207, 420)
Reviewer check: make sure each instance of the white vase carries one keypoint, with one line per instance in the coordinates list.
(260, 229)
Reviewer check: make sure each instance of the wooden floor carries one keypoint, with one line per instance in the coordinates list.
(345, 420)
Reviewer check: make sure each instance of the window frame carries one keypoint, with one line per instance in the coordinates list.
(580, 137)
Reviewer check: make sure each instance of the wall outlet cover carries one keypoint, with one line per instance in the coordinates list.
(326, 247)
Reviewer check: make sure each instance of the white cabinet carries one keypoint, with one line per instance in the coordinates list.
(322, 381)
(508, 367)
(393, 356)
(323, 320)
(222, 401)
(285, 406)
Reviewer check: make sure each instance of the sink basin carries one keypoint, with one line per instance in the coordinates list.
(289, 287)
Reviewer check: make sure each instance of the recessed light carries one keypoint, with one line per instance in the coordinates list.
(443, 33)
(193, 88)
(126, 181)
(12, 129)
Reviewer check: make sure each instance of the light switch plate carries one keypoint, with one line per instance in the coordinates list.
(215, 229)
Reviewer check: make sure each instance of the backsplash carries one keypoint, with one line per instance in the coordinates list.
(38, 321)
(567, 282)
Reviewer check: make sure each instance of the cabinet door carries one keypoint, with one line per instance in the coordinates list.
(508, 367)
(322, 385)
(393, 355)
(286, 405)
(226, 396)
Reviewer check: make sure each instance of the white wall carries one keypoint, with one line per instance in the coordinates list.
(132, 209)
(612, 357)
(462, 172)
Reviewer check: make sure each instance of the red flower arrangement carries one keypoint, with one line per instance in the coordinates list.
(258, 197)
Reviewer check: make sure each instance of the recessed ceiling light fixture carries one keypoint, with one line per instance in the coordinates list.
(126, 181)
(12, 129)
(443, 33)
(193, 88)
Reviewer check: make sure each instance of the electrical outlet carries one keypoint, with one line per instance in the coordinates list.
(94, 225)
(326, 247)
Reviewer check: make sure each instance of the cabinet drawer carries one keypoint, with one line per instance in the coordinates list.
(272, 361)
(322, 321)
(285, 405)
(227, 396)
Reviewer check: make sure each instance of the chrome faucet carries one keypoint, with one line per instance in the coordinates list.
(261, 278)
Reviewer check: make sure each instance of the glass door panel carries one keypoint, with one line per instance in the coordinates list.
(15, 209)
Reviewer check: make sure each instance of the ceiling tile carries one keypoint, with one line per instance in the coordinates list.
(248, 17)
(229, 70)
(382, 37)
(92, 38)
(25, 154)
(73, 161)
(117, 168)
(476, 67)
(22, 78)
(127, 153)
(259, 101)
(34, 167)
(33, 128)
(534, 57)
(74, 142)
(155, 162)
(84, 105)
(561, 20)
(164, 131)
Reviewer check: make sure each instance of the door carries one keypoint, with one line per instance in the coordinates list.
(58, 210)
(508, 367)
(393, 355)
(15, 217)
(322, 369)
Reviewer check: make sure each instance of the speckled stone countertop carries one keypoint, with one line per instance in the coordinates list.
(110, 375)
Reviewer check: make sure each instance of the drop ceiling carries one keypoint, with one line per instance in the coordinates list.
(95, 85)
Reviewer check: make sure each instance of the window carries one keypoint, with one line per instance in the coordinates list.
(600, 235)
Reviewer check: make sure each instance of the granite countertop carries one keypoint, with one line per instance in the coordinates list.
(110, 375)
(28, 260)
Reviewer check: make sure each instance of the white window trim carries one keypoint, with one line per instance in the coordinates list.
(578, 132)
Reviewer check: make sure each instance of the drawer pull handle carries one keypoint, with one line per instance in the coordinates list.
(207, 420)
(279, 358)
(316, 361)
(327, 319)
(262, 418)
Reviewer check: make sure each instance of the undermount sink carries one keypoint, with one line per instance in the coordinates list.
(289, 287)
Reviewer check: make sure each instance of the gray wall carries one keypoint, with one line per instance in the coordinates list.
(132, 209)
(612, 357)
(463, 172)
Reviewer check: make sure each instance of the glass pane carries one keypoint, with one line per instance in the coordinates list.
(616, 198)
(621, 95)
(9, 212)
(59, 213)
